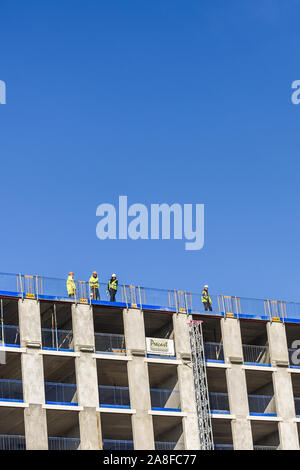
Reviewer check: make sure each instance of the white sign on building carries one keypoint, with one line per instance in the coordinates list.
(160, 346)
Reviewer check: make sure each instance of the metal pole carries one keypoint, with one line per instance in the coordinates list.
(2, 323)
(55, 323)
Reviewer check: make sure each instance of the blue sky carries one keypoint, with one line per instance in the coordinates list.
(162, 101)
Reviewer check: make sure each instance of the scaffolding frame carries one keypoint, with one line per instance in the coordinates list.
(200, 385)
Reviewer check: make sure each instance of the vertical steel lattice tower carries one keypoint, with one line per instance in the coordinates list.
(200, 385)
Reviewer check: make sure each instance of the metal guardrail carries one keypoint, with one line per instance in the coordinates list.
(261, 404)
(256, 354)
(165, 399)
(11, 390)
(110, 343)
(165, 445)
(219, 402)
(39, 287)
(264, 447)
(57, 339)
(61, 393)
(223, 447)
(110, 444)
(213, 351)
(63, 443)
(9, 335)
(12, 442)
(297, 406)
(114, 396)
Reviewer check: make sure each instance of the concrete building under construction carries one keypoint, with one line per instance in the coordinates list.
(82, 374)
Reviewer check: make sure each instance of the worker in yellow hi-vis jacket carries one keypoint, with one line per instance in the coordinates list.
(206, 300)
(94, 286)
(112, 287)
(71, 287)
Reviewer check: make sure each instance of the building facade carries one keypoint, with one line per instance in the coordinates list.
(94, 375)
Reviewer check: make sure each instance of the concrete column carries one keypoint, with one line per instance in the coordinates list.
(90, 429)
(138, 378)
(83, 327)
(186, 382)
(134, 329)
(236, 384)
(86, 377)
(283, 387)
(35, 418)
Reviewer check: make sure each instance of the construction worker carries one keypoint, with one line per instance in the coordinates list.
(206, 300)
(94, 286)
(112, 287)
(71, 287)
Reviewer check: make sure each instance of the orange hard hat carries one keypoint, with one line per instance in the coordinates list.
(94, 272)
(71, 273)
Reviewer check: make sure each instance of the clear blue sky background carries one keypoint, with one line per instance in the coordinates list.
(163, 101)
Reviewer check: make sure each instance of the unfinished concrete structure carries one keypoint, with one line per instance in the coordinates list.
(83, 374)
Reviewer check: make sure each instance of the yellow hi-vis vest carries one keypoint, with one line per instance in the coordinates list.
(94, 282)
(205, 297)
(113, 284)
(71, 287)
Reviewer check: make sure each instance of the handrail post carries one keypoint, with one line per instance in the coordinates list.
(141, 305)
(37, 288)
(21, 286)
(55, 325)
(2, 323)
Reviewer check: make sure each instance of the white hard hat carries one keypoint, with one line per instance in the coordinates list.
(206, 286)
(113, 275)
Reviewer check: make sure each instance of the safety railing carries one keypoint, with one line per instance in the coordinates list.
(133, 296)
(167, 445)
(9, 335)
(213, 351)
(254, 354)
(297, 406)
(40, 287)
(223, 447)
(63, 443)
(114, 397)
(11, 390)
(165, 399)
(59, 340)
(262, 405)
(60, 393)
(110, 343)
(262, 447)
(110, 444)
(12, 442)
(219, 402)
